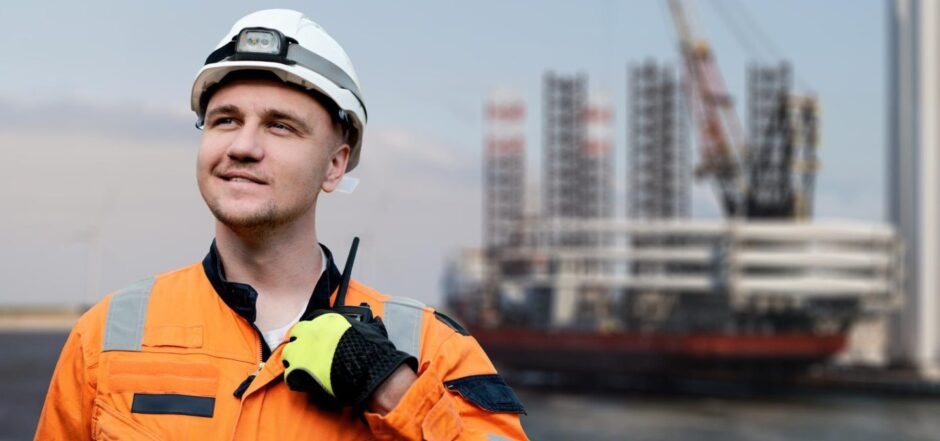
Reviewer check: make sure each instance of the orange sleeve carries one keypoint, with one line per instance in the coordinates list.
(431, 411)
(66, 414)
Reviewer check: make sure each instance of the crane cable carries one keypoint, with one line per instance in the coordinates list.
(757, 32)
(748, 44)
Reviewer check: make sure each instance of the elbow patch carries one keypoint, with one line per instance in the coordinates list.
(489, 392)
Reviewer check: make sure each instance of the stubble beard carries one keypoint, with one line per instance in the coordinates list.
(258, 224)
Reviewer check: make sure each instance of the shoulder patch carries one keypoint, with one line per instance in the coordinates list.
(488, 392)
(451, 323)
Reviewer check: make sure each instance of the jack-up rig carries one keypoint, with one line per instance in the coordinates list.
(571, 288)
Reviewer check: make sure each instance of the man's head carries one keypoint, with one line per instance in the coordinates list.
(298, 51)
(267, 150)
(283, 118)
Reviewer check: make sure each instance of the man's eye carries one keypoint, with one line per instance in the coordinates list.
(223, 121)
(281, 126)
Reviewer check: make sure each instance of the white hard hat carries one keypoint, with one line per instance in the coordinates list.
(297, 50)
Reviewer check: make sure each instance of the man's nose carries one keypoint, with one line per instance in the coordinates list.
(247, 145)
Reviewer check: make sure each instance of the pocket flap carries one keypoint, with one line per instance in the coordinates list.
(162, 377)
(173, 336)
(489, 392)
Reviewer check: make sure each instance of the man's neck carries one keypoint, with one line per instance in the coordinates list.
(283, 266)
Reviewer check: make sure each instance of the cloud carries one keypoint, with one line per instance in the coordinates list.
(83, 117)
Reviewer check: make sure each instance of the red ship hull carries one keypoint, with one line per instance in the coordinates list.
(633, 352)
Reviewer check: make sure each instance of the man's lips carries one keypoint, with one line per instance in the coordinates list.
(240, 176)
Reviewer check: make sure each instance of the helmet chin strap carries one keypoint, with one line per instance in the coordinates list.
(347, 184)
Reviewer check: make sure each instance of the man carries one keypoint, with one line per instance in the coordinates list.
(237, 347)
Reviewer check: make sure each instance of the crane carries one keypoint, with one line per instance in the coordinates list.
(721, 139)
(773, 179)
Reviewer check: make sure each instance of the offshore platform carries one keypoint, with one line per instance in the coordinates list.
(572, 288)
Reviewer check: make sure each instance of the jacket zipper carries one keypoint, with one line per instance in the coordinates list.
(262, 358)
(240, 391)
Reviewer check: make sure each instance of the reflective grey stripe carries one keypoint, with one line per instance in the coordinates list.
(324, 67)
(497, 437)
(127, 312)
(403, 322)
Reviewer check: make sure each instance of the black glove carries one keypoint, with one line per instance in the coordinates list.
(339, 361)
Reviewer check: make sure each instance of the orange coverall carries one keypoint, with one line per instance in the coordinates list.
(163, 359)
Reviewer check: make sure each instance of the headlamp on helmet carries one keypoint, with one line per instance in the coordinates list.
(262, 44)
(261, 41)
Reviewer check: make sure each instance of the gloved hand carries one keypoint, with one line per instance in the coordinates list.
(339, 361)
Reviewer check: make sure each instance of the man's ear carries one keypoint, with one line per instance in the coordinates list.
(336, 168)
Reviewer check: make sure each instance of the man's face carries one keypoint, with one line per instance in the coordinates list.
(267, 150)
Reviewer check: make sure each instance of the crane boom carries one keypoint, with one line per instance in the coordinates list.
(720, 137)
(770, 175)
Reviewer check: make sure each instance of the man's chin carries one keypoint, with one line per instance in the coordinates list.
(244, 218)
(250, 219)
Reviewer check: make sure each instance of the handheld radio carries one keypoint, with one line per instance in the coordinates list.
(362, 312)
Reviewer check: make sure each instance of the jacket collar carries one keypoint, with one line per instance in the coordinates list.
(241, 297)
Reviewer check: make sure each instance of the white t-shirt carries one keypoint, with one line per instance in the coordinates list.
(274, 336)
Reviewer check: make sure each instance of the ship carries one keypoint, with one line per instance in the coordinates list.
(763, 290)
(713, 298)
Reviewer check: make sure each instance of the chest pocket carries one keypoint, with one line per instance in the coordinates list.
(157, 399)
(160, 387)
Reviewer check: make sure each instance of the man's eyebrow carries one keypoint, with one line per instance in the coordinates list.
(297, 121)
(224, 109)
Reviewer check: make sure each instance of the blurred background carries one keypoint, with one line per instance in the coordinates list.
(696, 219)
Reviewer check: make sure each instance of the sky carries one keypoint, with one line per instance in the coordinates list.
(98, 182)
